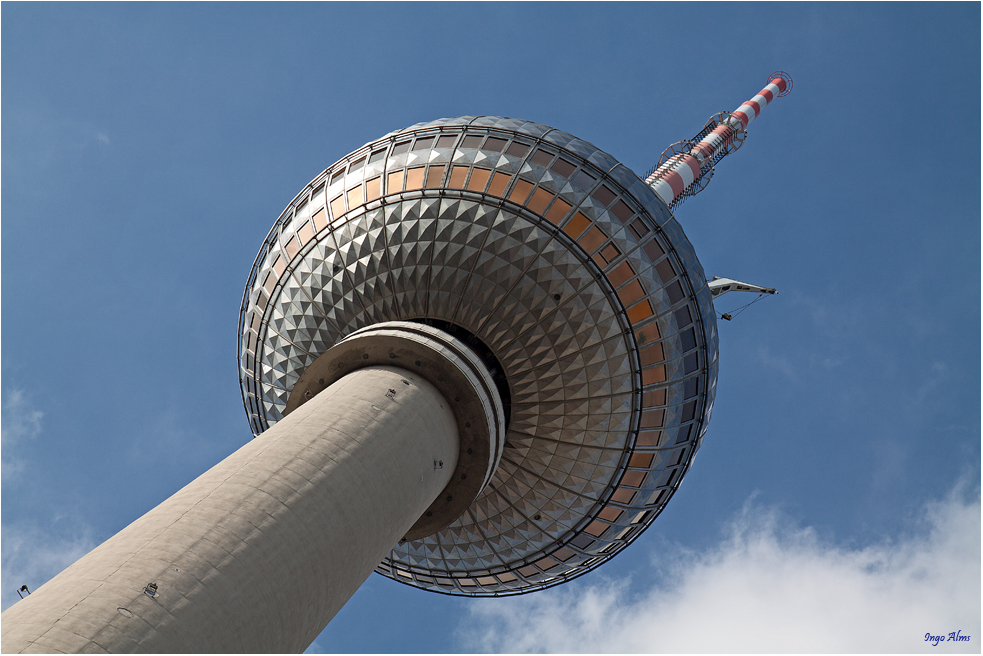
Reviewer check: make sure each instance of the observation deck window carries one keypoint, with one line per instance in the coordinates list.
(446, 140)
(517, 149)
(638, 228)
(423, 144)
(479, 178)
(603, 195)
(654, 398)
(459, 176)
(563, 167)
(541, 157)
(649, 438)
(494, 144)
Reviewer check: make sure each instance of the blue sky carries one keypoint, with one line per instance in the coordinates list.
(834, 506)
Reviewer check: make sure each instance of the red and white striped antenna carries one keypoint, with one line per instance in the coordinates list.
(686, 167)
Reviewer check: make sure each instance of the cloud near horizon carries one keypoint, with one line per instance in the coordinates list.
(20, 422)
(768, 587)
(33, 554)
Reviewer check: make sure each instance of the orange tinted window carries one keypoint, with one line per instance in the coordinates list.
(414, 178)
(498, 184)
(338, 206)
(540, 200)
(653, 398)
(373, 189)
(649, 333)
(576, 225)
(610, 252)
(641, 460)
(654, 375)
(458, 175)
(596, 528)
(623, 495)
(592, 239)
(610, 514)
(520, 192)
(434, 176)
(563, 554)
(291, 247)
(394, 182)
(479, 177)
(653, 418)
(558, 211)
(305, 233)
(633, 478)
(651, 354)
(631, 292)
(320, 220)
(640, 312)
(648, 438)
(355, 197)
(620, 274)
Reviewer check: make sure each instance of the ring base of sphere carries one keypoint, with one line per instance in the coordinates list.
(460, 376)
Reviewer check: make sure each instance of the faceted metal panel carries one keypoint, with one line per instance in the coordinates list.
(565, 265)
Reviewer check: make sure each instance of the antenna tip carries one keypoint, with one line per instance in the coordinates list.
(783, 81)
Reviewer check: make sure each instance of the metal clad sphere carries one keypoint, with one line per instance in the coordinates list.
(566, 266)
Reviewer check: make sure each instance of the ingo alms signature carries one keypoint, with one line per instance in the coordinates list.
(954, 636)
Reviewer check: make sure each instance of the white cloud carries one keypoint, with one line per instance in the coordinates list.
(32, 555)
(769, 587)
(19, 422)
(780, 362)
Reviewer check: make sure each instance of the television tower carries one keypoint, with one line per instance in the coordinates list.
(478, 356)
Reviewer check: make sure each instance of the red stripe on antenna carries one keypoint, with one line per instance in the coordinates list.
(694, 165)
(675, 182)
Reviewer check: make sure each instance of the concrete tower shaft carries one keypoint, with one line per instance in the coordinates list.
(261, 551)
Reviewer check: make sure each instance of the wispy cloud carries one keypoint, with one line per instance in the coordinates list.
(33, 554)
(768, 587)
(934, 378)
(42, 138)
(780, 362)
(19, 422)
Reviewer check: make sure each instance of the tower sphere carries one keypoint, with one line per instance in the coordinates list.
(564, 272)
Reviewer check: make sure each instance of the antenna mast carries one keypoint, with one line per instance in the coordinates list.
(686, 167)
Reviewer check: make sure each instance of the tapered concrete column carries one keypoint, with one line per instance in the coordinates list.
(260, 552)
